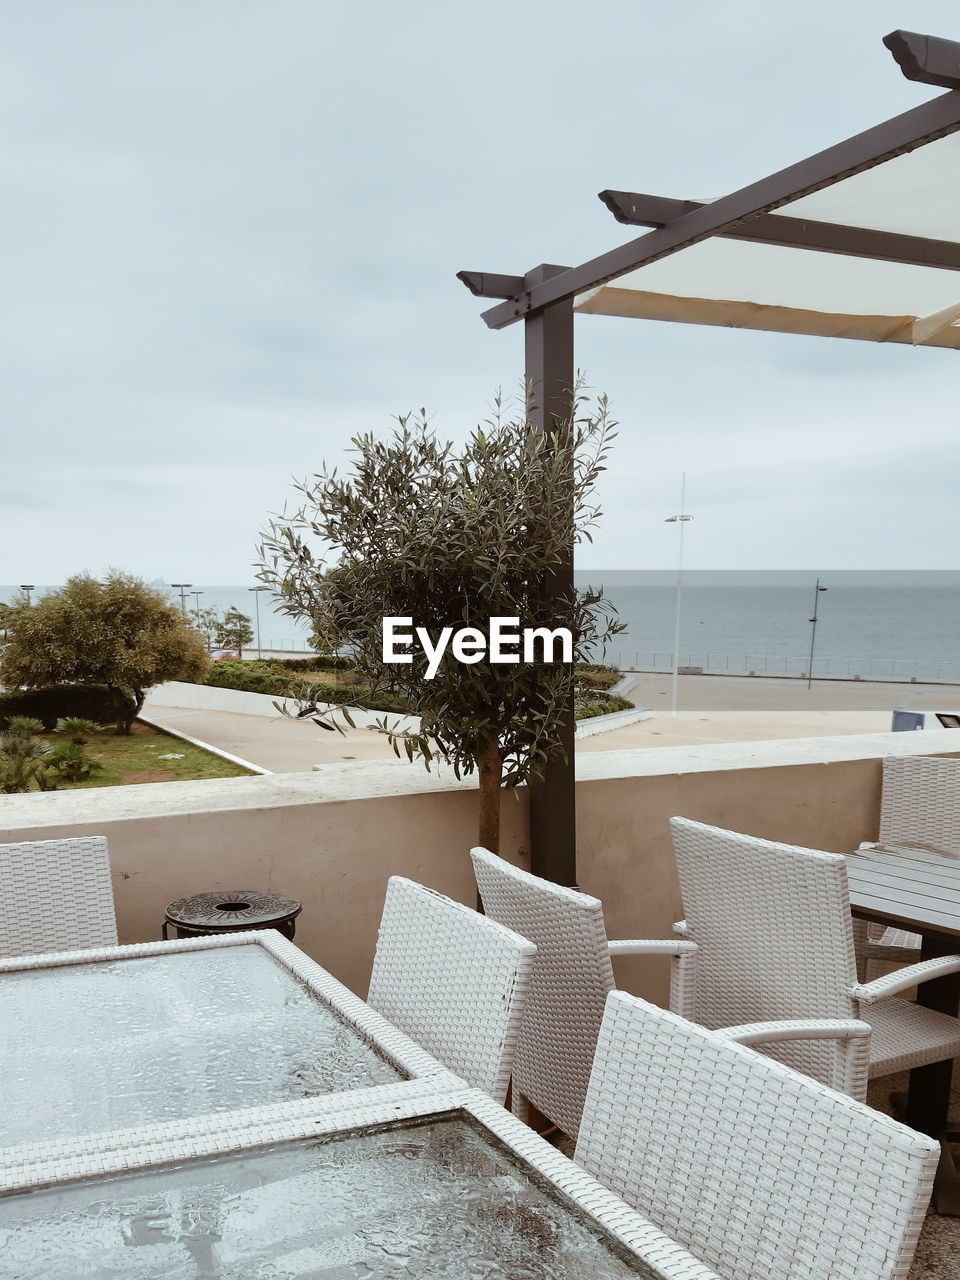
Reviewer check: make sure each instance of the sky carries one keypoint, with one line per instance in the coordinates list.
(231, 232)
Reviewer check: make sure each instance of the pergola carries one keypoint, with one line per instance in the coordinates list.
(865, 246)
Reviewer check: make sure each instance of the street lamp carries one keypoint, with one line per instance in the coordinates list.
(681, 518)
(256, 596)
(27, 587)
(182, 587)
(813, 630)
(196, 608)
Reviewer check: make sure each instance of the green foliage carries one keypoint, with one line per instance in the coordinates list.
(251, 677)
(452, 539)
(233, 630)
(20, 730)
(71, 761)
(322, 662)
(24, 758)
(76, 729)
(205, 621)
(598, 677)
(94, 702)
(589, 704)
(119, 634)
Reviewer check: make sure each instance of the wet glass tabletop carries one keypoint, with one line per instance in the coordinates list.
(415, 1200)
(92, 1047)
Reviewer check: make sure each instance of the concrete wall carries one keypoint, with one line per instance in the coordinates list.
(332, 837)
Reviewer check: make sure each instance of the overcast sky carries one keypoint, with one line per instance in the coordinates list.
(230, 238)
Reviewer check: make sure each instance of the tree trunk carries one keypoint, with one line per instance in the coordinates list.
(491, 772)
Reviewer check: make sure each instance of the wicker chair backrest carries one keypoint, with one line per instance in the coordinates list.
(56, 895)
(920, 803)
(453, 980)
(756, 1169)
(572, 976)
(774, 929)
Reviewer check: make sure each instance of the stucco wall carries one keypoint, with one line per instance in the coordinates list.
(332, 837)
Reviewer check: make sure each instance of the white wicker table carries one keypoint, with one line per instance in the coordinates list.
(156, 1034)
(919, 890)
(449, 1184)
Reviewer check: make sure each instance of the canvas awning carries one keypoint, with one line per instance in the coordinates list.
(744, 284)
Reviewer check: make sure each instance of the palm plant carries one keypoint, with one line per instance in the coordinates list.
(25, 758)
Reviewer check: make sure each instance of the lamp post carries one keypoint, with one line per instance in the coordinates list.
(681, 518)
(256, 596)
(196, 608)
(813, 630)
(182, 587)
(27, 587)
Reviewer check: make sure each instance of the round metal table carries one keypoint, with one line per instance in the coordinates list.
(231, 911)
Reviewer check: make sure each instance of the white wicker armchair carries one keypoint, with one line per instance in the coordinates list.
(756, 1169)
(919, 809)
(453, 980)
(572, 977)
(56, 895)
(773, 925)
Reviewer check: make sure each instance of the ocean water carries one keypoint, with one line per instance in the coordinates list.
(872, 623)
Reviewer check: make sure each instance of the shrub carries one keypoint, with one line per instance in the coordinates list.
(589, 704)
(597, 676)
(24, 758)
(249, 677)
(71, 761)
(54, 702)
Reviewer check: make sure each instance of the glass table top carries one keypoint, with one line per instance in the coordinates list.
(437, 1199)
(95, 1047)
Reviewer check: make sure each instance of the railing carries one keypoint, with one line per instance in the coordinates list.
(712, 663)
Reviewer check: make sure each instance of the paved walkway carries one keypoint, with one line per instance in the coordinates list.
(712, 709)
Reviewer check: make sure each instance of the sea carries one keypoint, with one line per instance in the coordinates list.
(871, 624)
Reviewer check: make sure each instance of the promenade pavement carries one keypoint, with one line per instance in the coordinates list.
(710, 709)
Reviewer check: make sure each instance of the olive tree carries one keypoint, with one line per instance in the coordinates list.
(118, 633)
(452, 537)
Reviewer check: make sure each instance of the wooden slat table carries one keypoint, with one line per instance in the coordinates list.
(919, 890)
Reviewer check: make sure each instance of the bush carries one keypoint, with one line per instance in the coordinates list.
(321, 662)
(50, 704)
(249, 677)
(597, 676)
(361, 695)
(589, 704)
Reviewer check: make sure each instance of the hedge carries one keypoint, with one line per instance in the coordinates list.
(590, 704)
(49, 704)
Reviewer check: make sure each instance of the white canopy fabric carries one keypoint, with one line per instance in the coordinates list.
(757, 286)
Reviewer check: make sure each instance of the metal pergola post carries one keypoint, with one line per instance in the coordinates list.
(548, 338)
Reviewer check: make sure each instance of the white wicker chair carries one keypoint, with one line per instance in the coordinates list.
(453, 980)
(775, 937)
(572, 977)
(756, 1169)
(56, 895)
(919, 809)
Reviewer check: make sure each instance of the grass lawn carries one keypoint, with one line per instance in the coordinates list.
(147, 755)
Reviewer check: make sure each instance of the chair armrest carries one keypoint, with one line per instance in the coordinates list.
(683, 970)
(650, 947)
(796, 1029)
(903, 979)
(682, 928)
(850, 1071)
